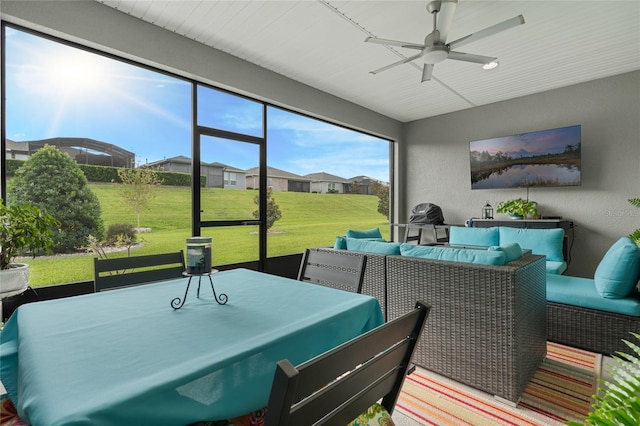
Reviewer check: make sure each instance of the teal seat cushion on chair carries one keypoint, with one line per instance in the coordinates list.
(617, 274)
(582, 292)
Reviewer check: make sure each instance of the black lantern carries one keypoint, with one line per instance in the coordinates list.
(487, 211)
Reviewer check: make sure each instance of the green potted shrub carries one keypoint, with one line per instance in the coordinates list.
(518, 208)
(23, 229)
(619, 399)
(635, 235)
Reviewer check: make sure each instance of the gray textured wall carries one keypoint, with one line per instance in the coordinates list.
(435, 161)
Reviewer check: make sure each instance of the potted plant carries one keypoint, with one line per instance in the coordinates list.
(518, 208)
(618, 399)
(635, 235)
(23, 229)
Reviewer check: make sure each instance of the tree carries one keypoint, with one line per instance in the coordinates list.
(273, 210)
(137, 188)
(382, 192)
(355, 187)
(52, 181)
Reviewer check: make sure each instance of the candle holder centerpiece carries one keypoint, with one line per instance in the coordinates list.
(199, 264)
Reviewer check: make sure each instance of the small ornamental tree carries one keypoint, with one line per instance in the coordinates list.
(273, 210)
(52, 181)
(382, 192)
(137, 188)
(355, 187)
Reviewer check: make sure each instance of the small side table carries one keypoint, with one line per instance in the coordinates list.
(177, 303)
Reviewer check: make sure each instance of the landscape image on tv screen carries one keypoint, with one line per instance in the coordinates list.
(536, 159)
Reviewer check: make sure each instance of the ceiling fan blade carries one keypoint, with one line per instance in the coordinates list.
(394, 43)
(468, 57)
(494, 29)
(445, 18)
(427, 71)
(404, 61)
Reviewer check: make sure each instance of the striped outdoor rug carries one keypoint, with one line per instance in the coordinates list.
(560, 390)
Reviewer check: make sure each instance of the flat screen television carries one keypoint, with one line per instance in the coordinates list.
(543, 158)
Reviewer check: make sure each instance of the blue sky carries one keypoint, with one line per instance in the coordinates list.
(54, 90)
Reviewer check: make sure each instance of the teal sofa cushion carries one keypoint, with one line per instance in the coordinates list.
(511, 251)
(480, 257)
(485, 237)
(369, 233)
(547, 242)
(555, 267)
(341, 242)
(582, 292)
(617, 274)
(360, 244)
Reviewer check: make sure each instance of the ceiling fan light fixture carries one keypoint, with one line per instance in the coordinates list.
(491, 65)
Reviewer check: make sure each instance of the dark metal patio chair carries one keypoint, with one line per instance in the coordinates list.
(336, 387)
(134, 270)
(333, 269)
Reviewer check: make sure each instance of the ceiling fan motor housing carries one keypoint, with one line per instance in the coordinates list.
(435, 54)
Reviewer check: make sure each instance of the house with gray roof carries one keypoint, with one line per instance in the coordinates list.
(325, 182)
(217, 175)
(279, 180)
(361, 185)
(82, 150)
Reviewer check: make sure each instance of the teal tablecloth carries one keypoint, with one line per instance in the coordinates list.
(125, 357)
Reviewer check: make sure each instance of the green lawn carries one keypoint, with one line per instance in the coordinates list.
(308, 220)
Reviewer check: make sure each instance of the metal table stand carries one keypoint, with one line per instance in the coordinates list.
(177, 303)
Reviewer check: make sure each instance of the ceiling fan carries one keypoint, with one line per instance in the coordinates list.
(436, 49)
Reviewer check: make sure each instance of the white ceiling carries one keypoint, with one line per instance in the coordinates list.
(321, 44)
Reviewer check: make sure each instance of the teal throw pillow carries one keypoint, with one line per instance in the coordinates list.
(547, 242)
(381, 247)
(484, 237)
(341, 243)
(511, 251)
(369, 233)
(617, 274)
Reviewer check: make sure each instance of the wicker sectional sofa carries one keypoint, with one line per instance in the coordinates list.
(597, 313)
(487, 324)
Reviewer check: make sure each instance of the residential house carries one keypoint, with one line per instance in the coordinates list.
(82, 150)
(361, 185)
(279, 180)
(216, 175)
(325, 183)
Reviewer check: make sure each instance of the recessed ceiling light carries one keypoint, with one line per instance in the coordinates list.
(491, 65)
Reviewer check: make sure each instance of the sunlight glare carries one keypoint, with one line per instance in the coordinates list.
(78, 73)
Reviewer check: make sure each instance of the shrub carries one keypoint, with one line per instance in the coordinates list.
(52, 181)
(116, 230)
(273, 210)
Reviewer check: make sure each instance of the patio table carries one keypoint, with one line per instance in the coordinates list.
(126, 357)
